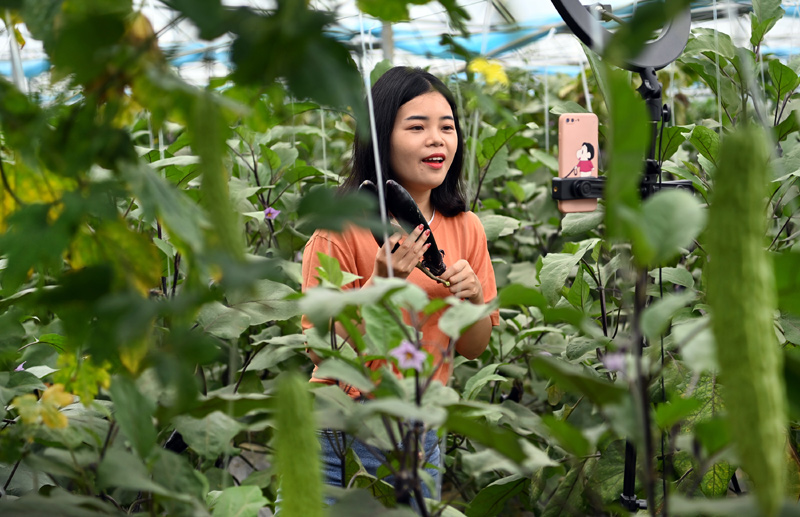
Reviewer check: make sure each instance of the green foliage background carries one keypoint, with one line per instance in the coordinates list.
(139, 274)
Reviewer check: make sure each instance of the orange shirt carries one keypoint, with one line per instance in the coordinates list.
(461, 237)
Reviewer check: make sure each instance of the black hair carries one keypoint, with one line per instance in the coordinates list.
(394, 88)
(590, 148)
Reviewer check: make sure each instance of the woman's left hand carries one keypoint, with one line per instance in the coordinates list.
(464, 282)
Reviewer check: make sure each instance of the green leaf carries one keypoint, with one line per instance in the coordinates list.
(387, 10)
(380, 68)
(265, 301)
(381, 328)
(567, 499)
(491, 145)
(345, 374)
(674, 275)
(606, 475)
(656, 318)
(297, 448)
(672, 140)
(461, 316)
(628, 139)
(787, 279)
(579, 380)
(577, 223)
(705, 40)
(678, 408)
(221, 321)
(481, 379)
(670, 222)
(790, 323)
(556, 267)
(707, 391)
(210, 436)
(518, 295)
(56, 502)
(133, 413)
(497, 226)
(124, 470)
(706, 141)
(783, 78)
(546, 159)
(322, 208)
(501, 440)
(568, 436)
(239, 501)
(491, 500)
(178, 213)
(697, 344)
(766, 14)
(787, 126)
(330, 271)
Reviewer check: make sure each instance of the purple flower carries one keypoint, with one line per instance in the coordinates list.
(615, 362)
(408, 356)
(271, 214)
(21, 367)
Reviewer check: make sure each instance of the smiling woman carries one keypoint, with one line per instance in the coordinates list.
(420, 146)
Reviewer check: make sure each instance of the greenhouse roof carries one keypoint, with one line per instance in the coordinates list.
(521, 33)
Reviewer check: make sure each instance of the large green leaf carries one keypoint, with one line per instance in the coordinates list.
(239, 501)
(628, 138)
(766, 14)
(264, 301)
(556, 267)
(481, 379)
(491, 500)
(221, 321)
(209, 436)
(56, 502)
(124, 470)
(498, 225)
(656, 318)
(134, 414)
(461, 316)
(579, 380)
(706, 141)
(671, 220)
(344, 373)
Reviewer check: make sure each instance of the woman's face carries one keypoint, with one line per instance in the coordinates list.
(423, 142)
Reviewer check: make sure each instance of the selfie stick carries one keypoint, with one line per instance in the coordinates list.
(655, 55)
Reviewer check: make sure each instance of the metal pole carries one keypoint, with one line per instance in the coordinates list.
(387, 42)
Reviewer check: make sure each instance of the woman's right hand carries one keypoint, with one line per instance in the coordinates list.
(405, 256)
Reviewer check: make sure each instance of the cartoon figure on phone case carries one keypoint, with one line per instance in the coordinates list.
(584, 167)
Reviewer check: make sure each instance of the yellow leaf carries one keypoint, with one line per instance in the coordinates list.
(27, 407)
(55, 396)
(53, 418)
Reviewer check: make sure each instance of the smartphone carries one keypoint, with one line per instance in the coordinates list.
(577, 155)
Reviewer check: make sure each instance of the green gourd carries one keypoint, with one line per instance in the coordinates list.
(741, 293)
(297, 450)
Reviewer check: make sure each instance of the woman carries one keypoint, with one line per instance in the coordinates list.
(420, 146)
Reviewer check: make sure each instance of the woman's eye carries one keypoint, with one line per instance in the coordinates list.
(416, 128)
(448, 128)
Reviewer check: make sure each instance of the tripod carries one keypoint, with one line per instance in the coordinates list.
(592, 188)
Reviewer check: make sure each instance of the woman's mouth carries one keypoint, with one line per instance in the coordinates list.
(435, 161)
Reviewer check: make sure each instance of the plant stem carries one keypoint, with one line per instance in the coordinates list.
(175, 267)
(11, 476)
(7, 186)
(163, 278)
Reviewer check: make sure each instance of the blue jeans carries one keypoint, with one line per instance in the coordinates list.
(331, 444)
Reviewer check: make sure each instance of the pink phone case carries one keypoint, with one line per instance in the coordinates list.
(577, 155)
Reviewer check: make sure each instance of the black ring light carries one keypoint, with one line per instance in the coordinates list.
(656, 54)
